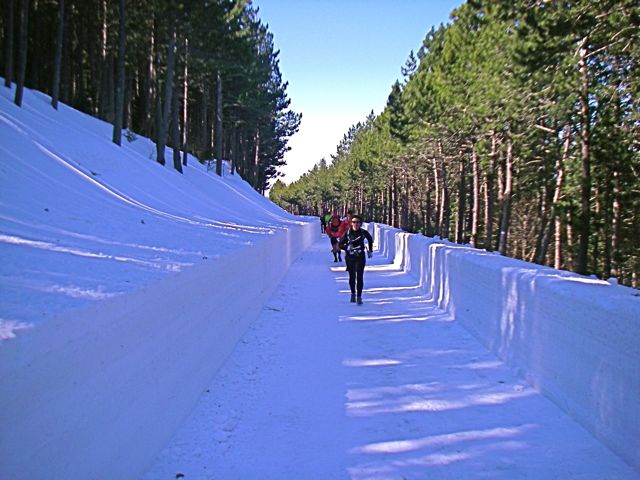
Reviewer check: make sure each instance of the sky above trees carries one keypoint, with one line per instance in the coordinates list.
(341, 59)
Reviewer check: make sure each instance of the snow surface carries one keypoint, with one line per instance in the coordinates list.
(83, 220)
(395, 389)
(125, 287)
(574, 338)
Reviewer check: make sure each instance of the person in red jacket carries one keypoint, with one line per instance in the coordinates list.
(335, 229)
(346, 220)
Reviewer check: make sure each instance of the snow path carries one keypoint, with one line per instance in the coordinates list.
(319, 388)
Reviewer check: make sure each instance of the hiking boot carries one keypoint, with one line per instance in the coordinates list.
(353, 298)
(359, 300)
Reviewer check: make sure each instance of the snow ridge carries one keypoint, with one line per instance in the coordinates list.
(575, 338)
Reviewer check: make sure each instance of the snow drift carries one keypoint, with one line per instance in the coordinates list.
(124, 285)
(574, 337)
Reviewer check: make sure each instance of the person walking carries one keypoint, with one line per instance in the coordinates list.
(346, 224)
(346, 220)
(352, 242)
(334, 231)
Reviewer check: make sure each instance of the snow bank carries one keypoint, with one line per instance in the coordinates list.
(82, 220)
(573, 337)
(123, 287)
(97, 399)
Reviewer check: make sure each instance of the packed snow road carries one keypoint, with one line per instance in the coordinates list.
(320, 388)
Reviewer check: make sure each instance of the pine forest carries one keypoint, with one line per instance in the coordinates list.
(515, 128)
(199, 76)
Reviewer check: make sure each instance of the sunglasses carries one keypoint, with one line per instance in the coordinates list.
(356, 221)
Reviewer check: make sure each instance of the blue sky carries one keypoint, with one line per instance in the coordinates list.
(340, 58)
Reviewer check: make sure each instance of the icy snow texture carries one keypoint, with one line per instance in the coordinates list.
(575, 338)
(319, 388)
(123, 286)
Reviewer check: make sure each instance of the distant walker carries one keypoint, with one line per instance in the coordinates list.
(334, 231)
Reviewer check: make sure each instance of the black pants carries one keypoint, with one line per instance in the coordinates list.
(355, 267)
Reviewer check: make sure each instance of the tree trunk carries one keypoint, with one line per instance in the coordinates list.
(73, 86)
(175, 129)
(612, 207)
(404, 203)
(390, 203)
(462, 194)
(436, 187)
(552, 218)
(102, 79)
(233, 157)
(110, 88)
(242, 153)
(22, 51)
(395, 214)
(168, 88)
(585, 181)
(570, 242)
(128, 98)
(203, 140)
(615, 226)
(36, 39)
(542, 220)
(8, 42)
(57, 60)
(476, 196)
(557, 255)
(158, 117)
(119, 106)
(596, 238)
(256, 159)
(505, 214)
(488, 194)
(444, 207)
(149, 87)
(185, 104)
(383, 204)
(428, 231)
(218, 127)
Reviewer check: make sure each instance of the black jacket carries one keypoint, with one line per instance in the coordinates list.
(353, 242)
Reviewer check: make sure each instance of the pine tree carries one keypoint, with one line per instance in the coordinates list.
(119, 94)
(22, 51)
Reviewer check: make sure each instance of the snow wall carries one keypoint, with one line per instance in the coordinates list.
(574, 338)
(95, 393)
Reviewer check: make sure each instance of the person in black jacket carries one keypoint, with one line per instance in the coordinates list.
(352, 242)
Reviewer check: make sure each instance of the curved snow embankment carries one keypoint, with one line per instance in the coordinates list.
(96, 392)
(575, 338)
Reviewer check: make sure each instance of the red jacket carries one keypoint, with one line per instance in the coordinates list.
(335, 228)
